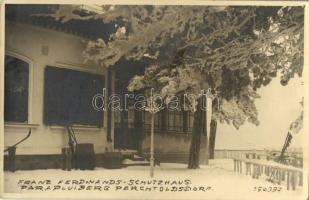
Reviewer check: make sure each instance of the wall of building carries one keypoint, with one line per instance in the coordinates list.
(172, 147)
(42, 47)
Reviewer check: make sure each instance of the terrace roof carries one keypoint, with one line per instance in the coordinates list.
(92, 29)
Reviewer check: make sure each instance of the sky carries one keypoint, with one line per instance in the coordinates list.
(278, 107)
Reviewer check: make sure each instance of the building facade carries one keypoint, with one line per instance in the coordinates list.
(48, 87)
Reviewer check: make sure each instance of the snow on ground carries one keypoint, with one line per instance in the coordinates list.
(217, 180)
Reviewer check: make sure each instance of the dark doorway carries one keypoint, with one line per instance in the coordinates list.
(128, 123)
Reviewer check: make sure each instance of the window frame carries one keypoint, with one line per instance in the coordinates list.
(79, 68)
(167, 129)
(30, 88)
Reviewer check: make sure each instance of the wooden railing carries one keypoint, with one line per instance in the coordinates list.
(243, 154)
(275, 172)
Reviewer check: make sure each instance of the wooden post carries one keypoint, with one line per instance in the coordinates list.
(11, 158)
(234, 165)
(288, 180)
(267, 171)
(240, 166)
(69, 159)
(300, 179)
(64, 158)
(152, 146)
(276, 174)
(247, 168)
(254, 171)
(279, 176)
(208, 113)
(283, 175)
(206, 154)
(293, 180)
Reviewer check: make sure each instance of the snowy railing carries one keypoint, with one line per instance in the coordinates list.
(251, 154)
(240, 154)
(274, 172)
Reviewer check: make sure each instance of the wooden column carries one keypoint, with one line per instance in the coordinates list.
(66, 159)
(294, 178)
(247, 168)
(234, 165)
(240, 166)
(288, 180)
(300, 179)
(283, 175)
(152, 146)
(109, 82)
(279, 177)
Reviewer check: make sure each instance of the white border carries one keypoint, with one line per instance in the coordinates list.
(161, 2)
(306, 107)
(157, 2)
(2, 45)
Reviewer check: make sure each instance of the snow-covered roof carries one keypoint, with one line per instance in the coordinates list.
(93, 28)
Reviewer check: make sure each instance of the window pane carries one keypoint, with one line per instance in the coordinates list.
(147, 120)
(130, 117)
(68, 97)
(156, 121)
(171, 116)
(16, 90)
(191, 117)
(117, 116)
(178, 121)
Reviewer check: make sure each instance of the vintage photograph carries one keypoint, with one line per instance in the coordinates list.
(154, 101)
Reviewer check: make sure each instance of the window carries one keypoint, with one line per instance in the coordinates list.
(175, 121)
(68, 97)
(146, 119)
(16, 90)
(167, 121)
(190, 121)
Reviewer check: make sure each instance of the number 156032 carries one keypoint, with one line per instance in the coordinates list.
(267, 189)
